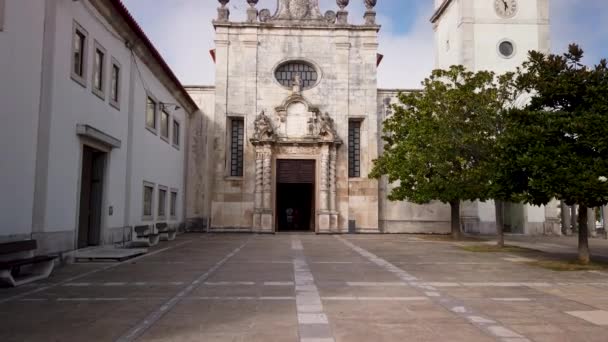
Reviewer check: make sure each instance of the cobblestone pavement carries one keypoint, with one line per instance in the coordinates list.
(309, 288)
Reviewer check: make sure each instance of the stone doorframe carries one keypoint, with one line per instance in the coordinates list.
(319, 141)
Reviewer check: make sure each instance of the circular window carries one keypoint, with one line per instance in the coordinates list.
(506, 49)
(288, 73)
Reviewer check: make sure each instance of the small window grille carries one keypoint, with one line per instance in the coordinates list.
(286, 73)
(237, 136)
(354, 149)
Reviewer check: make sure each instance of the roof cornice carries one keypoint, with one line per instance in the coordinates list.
(439, 12)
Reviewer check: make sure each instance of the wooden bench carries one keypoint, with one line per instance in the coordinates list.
(19, 265)
(144, 236)
(166, 232)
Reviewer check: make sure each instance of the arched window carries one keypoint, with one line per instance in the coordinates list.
(286, 73)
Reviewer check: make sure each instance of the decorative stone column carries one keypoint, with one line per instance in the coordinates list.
(267, 217)
(370, 14)
(332, 189)
(259, 189)
(252, 12)
(324, 190)
(342, 16)
(223, 13)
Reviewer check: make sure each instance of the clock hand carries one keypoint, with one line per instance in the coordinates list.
(506, 4)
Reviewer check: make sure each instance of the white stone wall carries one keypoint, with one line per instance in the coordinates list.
(474, 30)
(42, 171)
(200, 162)
(21, 37)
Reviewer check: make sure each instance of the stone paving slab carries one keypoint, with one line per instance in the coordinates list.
(308, 288)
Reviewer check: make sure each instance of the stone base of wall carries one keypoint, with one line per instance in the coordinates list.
(117, 236)
(415, 227)
(474, 226)
(55, 242)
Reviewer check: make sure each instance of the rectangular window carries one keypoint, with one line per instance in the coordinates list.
(164, 124)
(176, 133)
(237, 136)
(173, 204)
(148, 196)
(79, 54)
(99, 70)
(115, 84)
(162, 201)
(151, 113)
(354, 149)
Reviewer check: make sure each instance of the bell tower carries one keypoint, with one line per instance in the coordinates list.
(489, 34)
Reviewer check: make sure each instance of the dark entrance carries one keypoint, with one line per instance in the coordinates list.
(91, 192)
(295, 195)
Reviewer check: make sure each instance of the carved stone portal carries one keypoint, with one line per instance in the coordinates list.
(299, 128)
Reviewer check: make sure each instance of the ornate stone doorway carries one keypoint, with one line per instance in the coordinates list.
(298, 133)
(295, 195)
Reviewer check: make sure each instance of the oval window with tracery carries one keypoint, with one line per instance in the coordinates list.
(286, 74)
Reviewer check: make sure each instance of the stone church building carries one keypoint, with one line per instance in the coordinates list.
(294, 119)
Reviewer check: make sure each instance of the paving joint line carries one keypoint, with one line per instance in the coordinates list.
(86, 274)
(489, 326)
(313, 324)
(138, 330)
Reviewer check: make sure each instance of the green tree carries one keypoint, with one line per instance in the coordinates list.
(557, 145)
(439, 142)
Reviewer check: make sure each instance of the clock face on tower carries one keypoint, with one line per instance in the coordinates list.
(506, 8)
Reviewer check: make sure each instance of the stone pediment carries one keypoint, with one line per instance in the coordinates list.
(298, 11)
(296, 121)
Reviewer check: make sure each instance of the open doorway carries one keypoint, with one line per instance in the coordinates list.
(91, 194)
(295, 195)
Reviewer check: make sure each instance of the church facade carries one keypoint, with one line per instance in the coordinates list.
(294, 119)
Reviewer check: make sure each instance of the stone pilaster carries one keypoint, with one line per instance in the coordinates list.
(332, 189)
(591, 222)
(324, 213)
(259, 189)
(267, 217)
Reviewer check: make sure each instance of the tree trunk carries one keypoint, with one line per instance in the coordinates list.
(583, 238)
(455, 206)
(500, 225)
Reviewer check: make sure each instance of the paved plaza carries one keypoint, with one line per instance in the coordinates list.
(298, 287)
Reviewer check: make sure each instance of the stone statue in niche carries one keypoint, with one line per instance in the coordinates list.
(297, 83)
(263, 128)
(327, 130)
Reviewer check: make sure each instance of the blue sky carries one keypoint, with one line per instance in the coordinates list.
(182, 32)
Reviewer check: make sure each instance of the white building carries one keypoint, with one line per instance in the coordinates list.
(94, 125)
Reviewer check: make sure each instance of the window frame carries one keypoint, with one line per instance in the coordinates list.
(115, 102)
(172, 207)
(311, 84)
(98, 48)
(143, 201)
(354, 170)
(2, 14)
(164, 112)
(153, 129)
(163, 205)
(80, 79)
(230, 158)
(176, 144)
